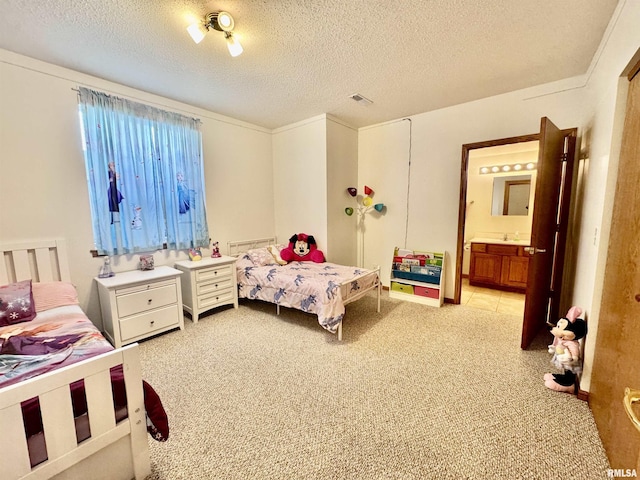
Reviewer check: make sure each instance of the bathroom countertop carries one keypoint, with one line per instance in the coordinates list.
(500, 241)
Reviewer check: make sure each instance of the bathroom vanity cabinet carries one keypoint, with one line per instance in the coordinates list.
(500, 265)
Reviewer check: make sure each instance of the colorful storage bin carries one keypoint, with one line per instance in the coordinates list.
(418, 277)
(401, 287)
(426, 292)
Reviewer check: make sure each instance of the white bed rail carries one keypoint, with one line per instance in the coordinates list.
(54, 395)
(353, 296)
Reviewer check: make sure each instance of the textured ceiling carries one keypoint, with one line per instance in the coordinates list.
(303, 58)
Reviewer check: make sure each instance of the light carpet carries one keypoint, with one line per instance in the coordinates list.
(413, 392)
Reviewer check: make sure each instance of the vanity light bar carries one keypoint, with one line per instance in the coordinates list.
(513, 167)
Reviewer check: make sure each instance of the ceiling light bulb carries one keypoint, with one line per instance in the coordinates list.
(484, 170)
(530, 166)
(221, 21)
(506, 168)
(225, 21)
(197, 31)
(495, 169)
(233, 45)
(517, 166)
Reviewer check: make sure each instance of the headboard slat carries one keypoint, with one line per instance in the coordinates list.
(43, 260)
(237, 248)
(4, 269)
(40, 261)
(21, 265)
(61, 261)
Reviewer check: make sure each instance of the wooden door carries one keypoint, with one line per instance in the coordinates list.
(616, 363)
(544, 229)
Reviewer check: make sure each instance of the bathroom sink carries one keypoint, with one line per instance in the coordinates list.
(499, 241)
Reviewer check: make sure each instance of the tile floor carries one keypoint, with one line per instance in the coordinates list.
(494, 300)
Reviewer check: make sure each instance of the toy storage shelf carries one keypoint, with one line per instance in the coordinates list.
(418, 276)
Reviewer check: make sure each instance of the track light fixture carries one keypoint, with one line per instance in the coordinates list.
(513, 167)
(221, 21)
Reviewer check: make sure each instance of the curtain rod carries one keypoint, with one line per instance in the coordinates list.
(179, 110)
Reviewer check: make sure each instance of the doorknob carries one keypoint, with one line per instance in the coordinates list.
(534, 250)
(630, 397)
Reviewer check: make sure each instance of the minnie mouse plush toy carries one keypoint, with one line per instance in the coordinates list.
(566, 351)
(302, 248)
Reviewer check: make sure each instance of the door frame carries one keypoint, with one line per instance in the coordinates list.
(462, 209)
(565, 209)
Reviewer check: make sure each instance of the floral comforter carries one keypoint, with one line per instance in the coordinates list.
(53, 339)
(316, 288)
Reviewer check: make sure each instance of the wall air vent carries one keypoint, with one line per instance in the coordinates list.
(362, 100)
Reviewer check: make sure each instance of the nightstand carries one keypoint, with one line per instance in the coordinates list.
(208, 283)
(140, 303)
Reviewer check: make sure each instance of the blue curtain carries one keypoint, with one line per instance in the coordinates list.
(145, 176)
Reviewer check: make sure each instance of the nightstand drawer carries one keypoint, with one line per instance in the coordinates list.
(212, 287)
(207, 284)
(212, 273)
(149, 322)
(144, 300)
(211, 301)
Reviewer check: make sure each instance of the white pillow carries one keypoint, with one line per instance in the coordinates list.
(261, 256)
(275, 253)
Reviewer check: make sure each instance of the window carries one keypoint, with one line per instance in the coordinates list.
(145, 176)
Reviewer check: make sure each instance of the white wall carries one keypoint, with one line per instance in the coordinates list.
(300, 180)
(314, 162)
(43, 187)
(342, 172)
(383, 165)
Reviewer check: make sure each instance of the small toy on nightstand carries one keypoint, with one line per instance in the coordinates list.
(195, 254)
(105, 269)
(215, 250)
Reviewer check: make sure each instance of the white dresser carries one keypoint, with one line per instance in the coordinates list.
(139, 304)
(208, 283)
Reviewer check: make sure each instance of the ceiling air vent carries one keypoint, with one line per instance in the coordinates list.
(362, 100)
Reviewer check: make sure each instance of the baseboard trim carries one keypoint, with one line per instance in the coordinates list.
(582, 395)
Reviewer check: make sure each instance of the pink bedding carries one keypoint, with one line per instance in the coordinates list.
(317, 288)
(53, 339)
(60, 335)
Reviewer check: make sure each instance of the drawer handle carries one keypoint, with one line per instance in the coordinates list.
(216, 285)
(152, 322)
(149, 301)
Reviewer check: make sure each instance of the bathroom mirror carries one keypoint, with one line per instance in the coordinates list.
(511, 195)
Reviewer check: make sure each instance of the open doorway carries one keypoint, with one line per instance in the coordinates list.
(500, 188)
(479, 161)
(539, 267)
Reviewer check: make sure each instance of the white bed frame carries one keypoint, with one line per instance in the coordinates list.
(114, 450)
(237, 248)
